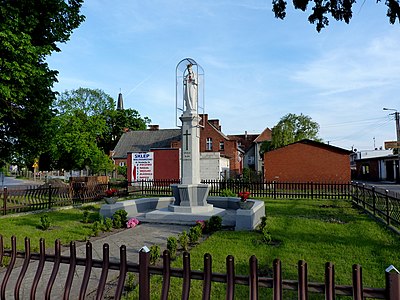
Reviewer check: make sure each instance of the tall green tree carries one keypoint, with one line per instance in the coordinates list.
(30, 30)
(340, 10)
(86, 127)
(292, 128)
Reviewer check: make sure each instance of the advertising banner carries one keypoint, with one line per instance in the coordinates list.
(142, 166)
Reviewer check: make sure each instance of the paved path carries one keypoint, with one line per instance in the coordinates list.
(134, 239)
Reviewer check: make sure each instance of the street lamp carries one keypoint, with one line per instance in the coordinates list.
(397, 118)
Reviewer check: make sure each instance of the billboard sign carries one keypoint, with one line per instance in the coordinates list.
(142, 166)
(392, 145)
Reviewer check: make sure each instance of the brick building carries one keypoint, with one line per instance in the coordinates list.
(307, 161)
(213, 140)
(217, 151)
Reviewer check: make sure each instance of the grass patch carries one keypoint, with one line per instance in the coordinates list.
(65, 224)
(317, 231)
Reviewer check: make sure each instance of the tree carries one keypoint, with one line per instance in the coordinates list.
(29, 31)
(340, 10)
(292, 128)
(85, 128)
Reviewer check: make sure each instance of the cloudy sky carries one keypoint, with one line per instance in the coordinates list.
(257, 68)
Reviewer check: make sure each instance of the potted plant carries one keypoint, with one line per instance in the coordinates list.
(243, 199)
(111, 196)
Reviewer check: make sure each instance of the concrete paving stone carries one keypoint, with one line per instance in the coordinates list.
(134, 239)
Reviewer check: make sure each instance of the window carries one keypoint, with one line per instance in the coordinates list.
(209, 144)
(122, 163)
(221, 146)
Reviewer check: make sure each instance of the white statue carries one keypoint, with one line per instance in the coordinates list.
(190, 91)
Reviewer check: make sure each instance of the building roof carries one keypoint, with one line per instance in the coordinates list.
(318, 144)
(144, 140)
(266, 135)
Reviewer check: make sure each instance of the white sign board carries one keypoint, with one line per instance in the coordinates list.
(142, 166)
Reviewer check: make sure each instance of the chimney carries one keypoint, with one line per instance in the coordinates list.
(245, 135)
(215, 123)
(154, 127)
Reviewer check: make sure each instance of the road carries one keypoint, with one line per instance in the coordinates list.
(12, 181)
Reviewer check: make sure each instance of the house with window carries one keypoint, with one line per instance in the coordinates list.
(219, 156)
(307, 161)
(212, 139)
(251, 145)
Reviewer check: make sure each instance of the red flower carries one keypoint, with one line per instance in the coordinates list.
(111, 192)
(244, 196)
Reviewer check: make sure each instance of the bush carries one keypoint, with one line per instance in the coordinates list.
(85, 217)
(117, 221)
(227, 193)
(108, 224)
(184, 240)
(172, 246)
(214, 224)
(195, 234)
(263, 223)
(45, 222)
(96, 227)
(154, 254)
(123, 217)
(266, 238)
(130, 282)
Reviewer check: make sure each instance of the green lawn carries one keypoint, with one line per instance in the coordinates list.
(66, 225)
(317, 231)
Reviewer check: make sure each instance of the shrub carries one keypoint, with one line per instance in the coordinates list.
(85, 217)
(172, 246)
(263, 223)
(184, 240)
(227, 193)
(154, 254)
(45, 222)
(214, 224)
(117, 221)
(108, 224)
(266, 236)
(96, 227)
(130, 282)
(195, 234)
(123, 217)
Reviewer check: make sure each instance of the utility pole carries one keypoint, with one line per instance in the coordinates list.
(397, 119)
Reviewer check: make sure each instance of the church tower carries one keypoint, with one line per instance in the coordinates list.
(120, 104)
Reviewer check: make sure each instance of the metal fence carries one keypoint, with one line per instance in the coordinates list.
(257, 189)
(31, 198)
(302, 287)
(380, 203)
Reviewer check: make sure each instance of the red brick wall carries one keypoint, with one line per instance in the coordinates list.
(230, 146)
(303, 163)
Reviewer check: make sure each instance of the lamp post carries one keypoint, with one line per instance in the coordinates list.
(397, 119)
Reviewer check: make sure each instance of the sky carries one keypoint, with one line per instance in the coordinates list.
(256, 68)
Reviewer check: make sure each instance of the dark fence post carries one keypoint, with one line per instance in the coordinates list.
(5, 201)
(329, 281)
(277, 283)
(144, 274)
(253, 278)
(49, 196)
(392, 284)
(387, 207)
(312, 190)
(274, 185)
(373, 200)
(357, 283)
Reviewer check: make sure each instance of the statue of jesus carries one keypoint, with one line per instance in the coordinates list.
(190, 91)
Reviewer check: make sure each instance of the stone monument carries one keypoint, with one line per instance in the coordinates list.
(190, 195)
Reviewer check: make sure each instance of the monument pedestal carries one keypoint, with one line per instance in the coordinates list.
(190, 198)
